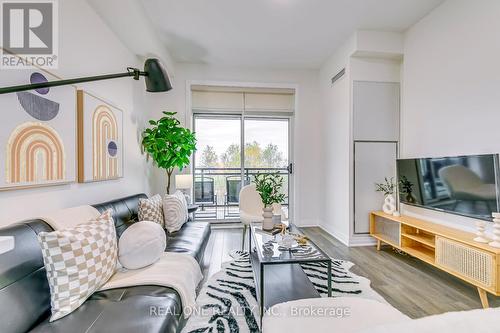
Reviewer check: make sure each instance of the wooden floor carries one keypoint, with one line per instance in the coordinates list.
(413, 287)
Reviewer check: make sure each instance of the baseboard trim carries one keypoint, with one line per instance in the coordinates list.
(362, 240)
(309, 226)
(340, 237)
(353, 241)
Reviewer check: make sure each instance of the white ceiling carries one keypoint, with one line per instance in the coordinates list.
(273, 33)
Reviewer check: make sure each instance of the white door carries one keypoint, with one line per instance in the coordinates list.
(373, 161)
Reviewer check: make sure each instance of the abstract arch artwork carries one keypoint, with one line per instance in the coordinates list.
(37, 132)
(104, 136)
(100, 139)
(35, 154)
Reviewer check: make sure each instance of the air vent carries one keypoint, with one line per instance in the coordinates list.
(338, 76)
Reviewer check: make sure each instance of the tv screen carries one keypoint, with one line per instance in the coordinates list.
(464, 185)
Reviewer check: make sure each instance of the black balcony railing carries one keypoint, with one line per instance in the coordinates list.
(216, 190)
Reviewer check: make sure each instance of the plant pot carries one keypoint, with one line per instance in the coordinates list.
(389, 206)
(410, 198)
(267, 214)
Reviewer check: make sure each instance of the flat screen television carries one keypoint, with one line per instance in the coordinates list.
(463, 185)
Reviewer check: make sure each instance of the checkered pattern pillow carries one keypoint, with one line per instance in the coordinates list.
(78, 262)
(151, 210)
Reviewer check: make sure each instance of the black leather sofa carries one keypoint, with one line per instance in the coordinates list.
(25, 294)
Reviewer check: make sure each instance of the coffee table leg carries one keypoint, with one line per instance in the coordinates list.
(250, 239)
(261, 292)
(329, 278)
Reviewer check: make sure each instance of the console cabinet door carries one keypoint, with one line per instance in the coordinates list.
(373, 161)
(471, 264)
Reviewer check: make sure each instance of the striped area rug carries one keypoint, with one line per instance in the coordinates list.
(227, 302)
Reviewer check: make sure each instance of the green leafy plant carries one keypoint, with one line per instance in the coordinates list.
(405, 186)
(269, 187)
(169, 144)
(406, 189)
(387, 187)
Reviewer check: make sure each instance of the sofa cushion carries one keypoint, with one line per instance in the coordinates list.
(78, 262)
(24, 290)
(175, 211)
(123, 310)
(151, 209)
(125, 211)
(191, 239)
(142, 244)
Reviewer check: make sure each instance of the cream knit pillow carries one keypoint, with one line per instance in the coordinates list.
(78, 262)
(175, 211)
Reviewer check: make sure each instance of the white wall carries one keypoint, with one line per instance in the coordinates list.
(88, 47)
(366, 56)
(307, 134)
(451, 86)
(336, 123)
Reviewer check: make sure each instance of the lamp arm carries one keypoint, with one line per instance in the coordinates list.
(130, 72)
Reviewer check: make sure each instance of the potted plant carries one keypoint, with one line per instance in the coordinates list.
(269, 186)
(387, 188)
(169, 144)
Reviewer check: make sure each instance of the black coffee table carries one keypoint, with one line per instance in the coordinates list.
(278, 275)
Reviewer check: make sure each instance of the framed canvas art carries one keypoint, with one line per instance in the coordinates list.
(37, 132)
(100, 139)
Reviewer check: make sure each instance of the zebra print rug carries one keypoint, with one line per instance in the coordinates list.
(227, 302)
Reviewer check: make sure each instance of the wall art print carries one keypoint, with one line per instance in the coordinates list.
(37, 132)
(100, 139)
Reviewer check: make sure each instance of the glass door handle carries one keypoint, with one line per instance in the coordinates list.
(290, 168)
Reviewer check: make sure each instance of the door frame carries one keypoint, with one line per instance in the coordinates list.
(189, 118)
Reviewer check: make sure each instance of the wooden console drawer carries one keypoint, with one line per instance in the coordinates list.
(469, 263)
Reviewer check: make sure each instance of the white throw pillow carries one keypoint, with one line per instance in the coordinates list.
(78, 262)
(141, 245)
(175, 211)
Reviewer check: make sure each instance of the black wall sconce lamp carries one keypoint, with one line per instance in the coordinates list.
(155, 76)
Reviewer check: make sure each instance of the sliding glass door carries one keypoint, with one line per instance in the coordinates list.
(221, 167)
(267, 148)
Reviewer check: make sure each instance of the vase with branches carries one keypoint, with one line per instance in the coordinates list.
(169, 144)
(269, 186)
(388, 187)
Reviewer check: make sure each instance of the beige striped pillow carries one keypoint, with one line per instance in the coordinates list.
(175, 211)
(78, 262)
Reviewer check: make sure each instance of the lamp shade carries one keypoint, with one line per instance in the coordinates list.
(183, 182)
(156, 76)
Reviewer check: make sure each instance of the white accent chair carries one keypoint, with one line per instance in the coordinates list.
(250, 208)
(465, 185)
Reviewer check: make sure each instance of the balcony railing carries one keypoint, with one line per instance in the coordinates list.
(216, 190)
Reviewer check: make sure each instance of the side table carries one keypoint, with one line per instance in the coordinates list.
(192, 208)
